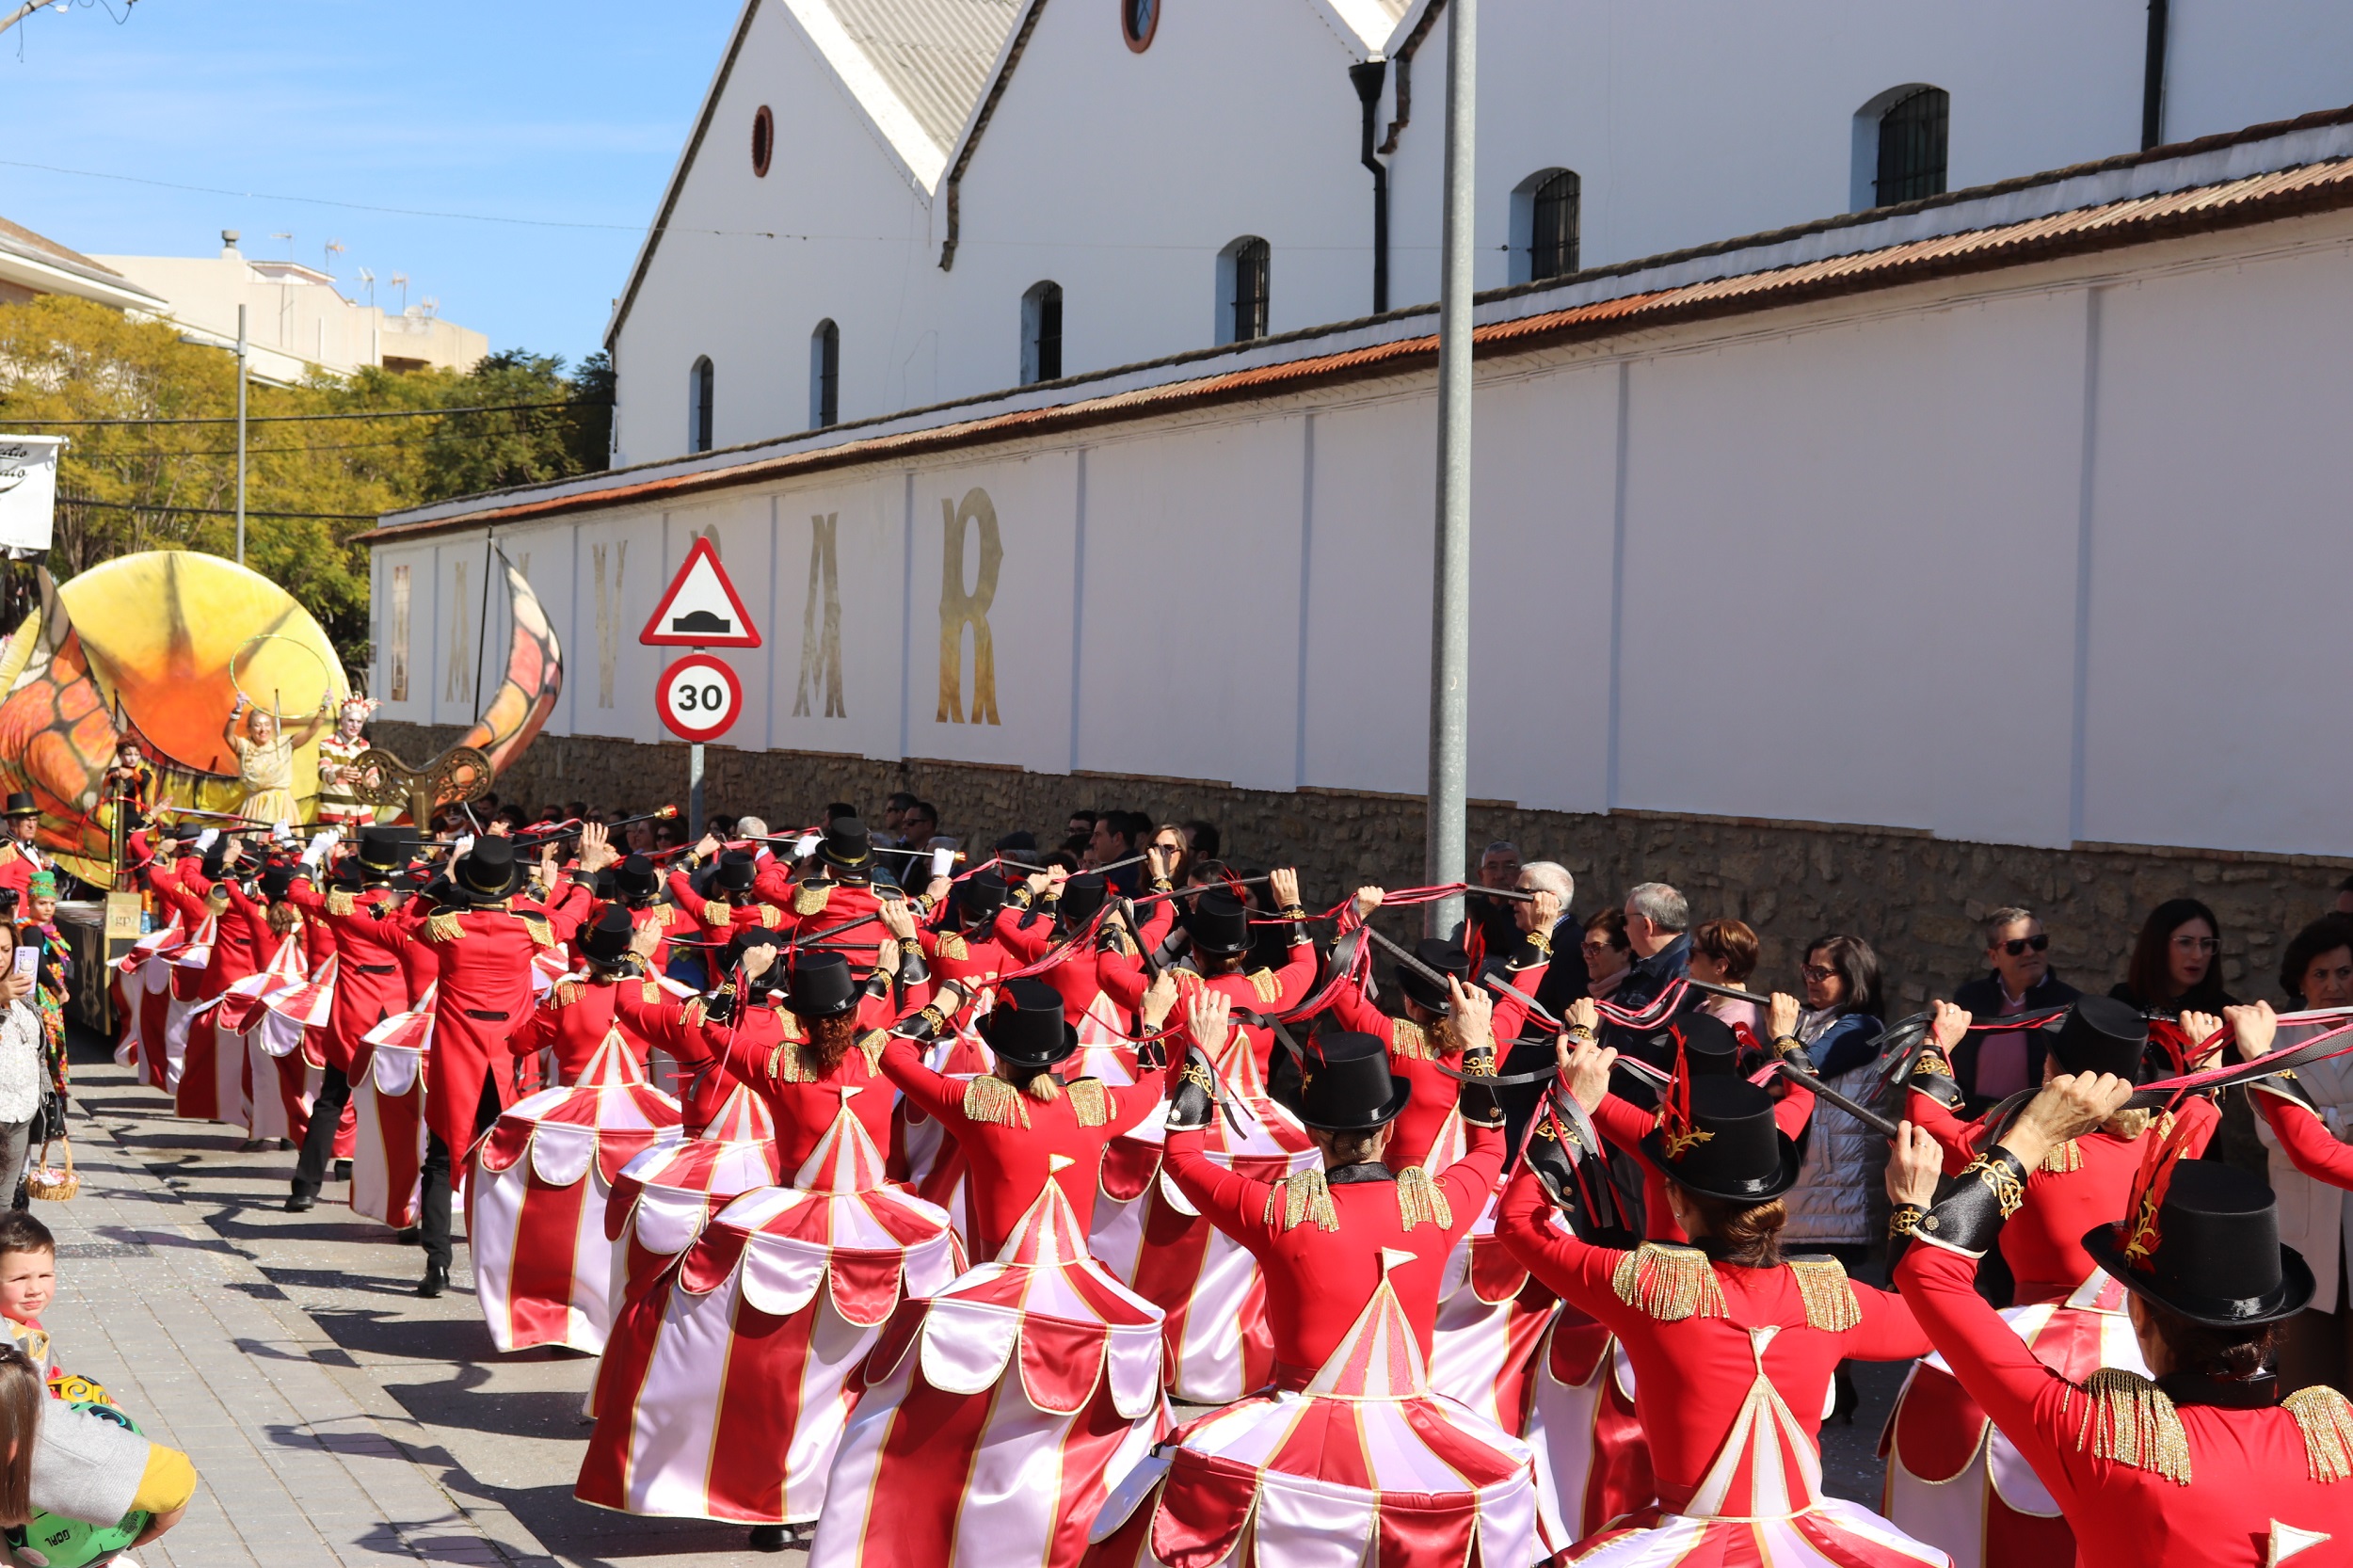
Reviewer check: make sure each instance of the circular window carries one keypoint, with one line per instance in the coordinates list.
(1137, 20)
(763, 140)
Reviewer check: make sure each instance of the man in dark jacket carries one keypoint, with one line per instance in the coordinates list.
(1990, 1067)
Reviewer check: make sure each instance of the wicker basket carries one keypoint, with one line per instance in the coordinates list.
(56, 1186)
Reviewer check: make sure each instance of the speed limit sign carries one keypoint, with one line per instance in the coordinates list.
(699, 697)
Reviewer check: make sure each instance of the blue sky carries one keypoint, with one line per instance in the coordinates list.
(511, 108)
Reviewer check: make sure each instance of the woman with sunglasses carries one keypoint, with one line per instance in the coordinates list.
(2177, 963)
(1990, 1067)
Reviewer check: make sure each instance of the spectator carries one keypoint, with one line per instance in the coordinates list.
(1656, 918)
(640, 834)
(1489, 930)
(1081, 832)
(917, 823)
(1202, 838)
(2316, 971)
(1608, 957)
(894, 819)
(2018, 979)
(77, 1465)
(2344, 905)
(839, 809)
(2177, 962)
(1020, 845)
(1118, 837)
(1723, 953)
(1172, 839)
(1565, 977)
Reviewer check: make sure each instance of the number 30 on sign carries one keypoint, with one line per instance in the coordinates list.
(700, 697)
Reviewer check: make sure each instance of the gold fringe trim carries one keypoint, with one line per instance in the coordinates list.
(771, 917)
(715, 913)
(2326, 1419)
(2129, 1125)
(341, 903)
(1830, 1302)
(1421, 1201)
(872, 1044)
(950, 946)
(540, 931)
(2063, 1158)
(567, 992)
(1088, 1102)
(1299, 1197)
(444, 927)
(216, 901)
(650, 992)
(811, 901)
(1409, 1040)
(2129, 1419)
(992, 1099)
(785, 1067)
(1264, 982)
(1669, 1283)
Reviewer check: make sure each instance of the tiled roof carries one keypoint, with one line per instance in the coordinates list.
(935, 55)
(19, 241)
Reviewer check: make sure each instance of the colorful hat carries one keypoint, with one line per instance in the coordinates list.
(41, 884)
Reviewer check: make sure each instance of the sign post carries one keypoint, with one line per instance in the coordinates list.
(698, 696)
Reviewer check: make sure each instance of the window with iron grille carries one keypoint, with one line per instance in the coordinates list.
(824, 376)
(1251, 261)
(699, 406)
(1041, 333)
(1552, 227)
(1911, 147)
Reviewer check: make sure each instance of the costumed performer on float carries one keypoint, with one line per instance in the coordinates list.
(339, 776)
(2200, 1463)
(265, 761)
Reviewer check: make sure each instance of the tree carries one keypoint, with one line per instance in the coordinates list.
(148, 485)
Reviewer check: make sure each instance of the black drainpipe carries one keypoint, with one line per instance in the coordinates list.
(2152, 79)
(1368, 78)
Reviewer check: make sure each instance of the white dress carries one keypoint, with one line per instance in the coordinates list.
(20, 1064)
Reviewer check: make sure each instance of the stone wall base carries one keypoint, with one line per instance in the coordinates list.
(1916, 896)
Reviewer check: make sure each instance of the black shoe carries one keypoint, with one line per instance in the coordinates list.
(284, 1144)
(343, 1170)
(768, 1538)
(436, 1280)
(301, 1202)
(251, 1145)
(408, 1237)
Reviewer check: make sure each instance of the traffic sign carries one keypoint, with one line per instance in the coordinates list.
(699, 697)
(701, 608)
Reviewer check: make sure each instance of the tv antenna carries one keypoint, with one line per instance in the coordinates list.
(367, 281)
(400, 281)
(335, 248)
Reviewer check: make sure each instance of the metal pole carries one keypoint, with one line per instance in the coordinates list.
(695, 792)
(240, 435)
(1449, 631)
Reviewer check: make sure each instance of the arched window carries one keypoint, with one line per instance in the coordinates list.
(763, 140)
(699, 406)
(1244, 270)
(1545, 225)
(1900, 146)
(824, 376)
(1138, 20)
(1041, 333)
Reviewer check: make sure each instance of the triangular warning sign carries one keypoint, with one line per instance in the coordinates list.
(701, 608)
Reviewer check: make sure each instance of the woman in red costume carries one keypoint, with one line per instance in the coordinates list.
(1733, 1346)
(2201, 1466)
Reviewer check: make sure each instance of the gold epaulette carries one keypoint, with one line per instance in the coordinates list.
(696, 1011)
(1302, 1196)
(1264, 982)
(715, 912)
(651, 992)
(2326, 1418)
(443, 926)
(1830, 1302)
(1088, 1102)
(2062, 1157)
(340, 903)
(2129, 1419)
(540, 931)
(566, 993)
(1669, 1283)
(771, 917)
(1421, 1201)
(1407, 1039)
(785, 1067)
(949, 945)
(665, 915)
(810, 899)
(8, 854)
(216, 901)
(872, 1043)
(990, 1098)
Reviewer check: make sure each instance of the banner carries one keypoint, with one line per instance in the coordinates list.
(29, 490)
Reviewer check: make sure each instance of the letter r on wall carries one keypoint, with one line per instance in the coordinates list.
(959, 609)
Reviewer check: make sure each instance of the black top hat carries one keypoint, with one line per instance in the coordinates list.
(20, 804)
(822, 986)
(277, 882)
(848, 848)
(1026, 1026)
(978, 897)
(2101, 1035)
(1732, 1150)
(635, 877)
(1345, 1085)
(1081, 896)
(1709, 1046)
(1442, 955)
(737, 872)
(182, 832)
(1219, 924)
(2217, 1229)
(607, 941)
(489, 873)
(382, 851)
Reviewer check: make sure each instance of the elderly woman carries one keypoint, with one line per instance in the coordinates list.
(1607, 953)
(265, 761)
(2316, 971)
(1723, 953)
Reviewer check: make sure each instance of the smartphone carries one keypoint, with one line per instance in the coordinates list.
(28, 962)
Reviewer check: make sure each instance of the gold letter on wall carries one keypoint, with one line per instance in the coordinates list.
(608, 617)
(958, 609)
(457, 680)
(820, 631)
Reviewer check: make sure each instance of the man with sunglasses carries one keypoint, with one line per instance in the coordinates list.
(1992, 1066)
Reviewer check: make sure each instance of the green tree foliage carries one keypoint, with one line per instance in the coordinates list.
(124, 487)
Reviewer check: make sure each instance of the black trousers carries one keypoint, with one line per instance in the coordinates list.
(434, 1201)
(318, 1144)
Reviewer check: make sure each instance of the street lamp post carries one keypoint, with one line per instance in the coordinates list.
(240, 435)
(1449, 633)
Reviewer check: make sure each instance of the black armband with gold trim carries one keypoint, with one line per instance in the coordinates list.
(1189, 1108)
(913, 972)
(1968, 1217)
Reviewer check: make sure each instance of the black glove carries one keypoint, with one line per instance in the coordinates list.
(1480, 1103)
(1190, 1107)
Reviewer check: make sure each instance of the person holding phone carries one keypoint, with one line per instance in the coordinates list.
(20, 1061)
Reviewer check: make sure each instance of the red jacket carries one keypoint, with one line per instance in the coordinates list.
(573, 1019)
(2305, 1139)
(1260, 990)
(372, 976)
(485, 996)
(649, 1013)
(764, 1047)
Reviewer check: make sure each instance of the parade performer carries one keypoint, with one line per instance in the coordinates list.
(837, 892)
(1953, 1478)
(734, 907)
(276, 1068)
(2199, 1461)
(636, 886)
(486, 945)
(265, 761)
(339, 777)
(1349, 1456)
(993, 1415)
(727, 1383)
(1217, 933)
(127, 796)
(663, 1198)
(20, 857)
(372, 951)
(1733, 1346)
(225, 949)
(581, 1009)
(388, 1114)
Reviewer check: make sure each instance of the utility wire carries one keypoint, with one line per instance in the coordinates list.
(211, 511)
(293, 418)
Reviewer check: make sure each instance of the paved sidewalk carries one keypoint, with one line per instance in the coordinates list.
(335, 1417)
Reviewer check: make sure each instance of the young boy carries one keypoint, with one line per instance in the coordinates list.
(28, 1281)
